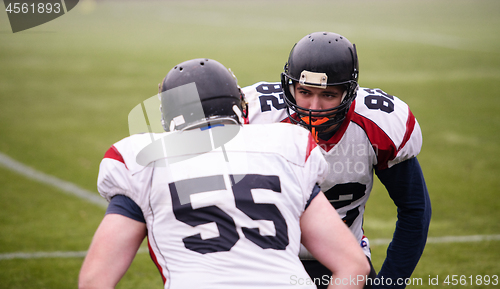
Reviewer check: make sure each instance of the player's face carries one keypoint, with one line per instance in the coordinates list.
(318, 98)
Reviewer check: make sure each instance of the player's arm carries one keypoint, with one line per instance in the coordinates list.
(111, 252)
(406, 186)
(332, 243)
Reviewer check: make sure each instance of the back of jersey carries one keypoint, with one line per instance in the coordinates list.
(229, 217)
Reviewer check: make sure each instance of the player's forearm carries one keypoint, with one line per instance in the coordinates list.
(405, 249)
(93, 275)
(332, 243)
(406, 186)
(408, 243)
(93, 284)
(350, 277)
(100, 272)
(111, 252)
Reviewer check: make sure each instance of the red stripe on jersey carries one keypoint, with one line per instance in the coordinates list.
(114, 154)
(410, 124)
(153, 257)
(384, 147)
(311, 144)
(287, 119)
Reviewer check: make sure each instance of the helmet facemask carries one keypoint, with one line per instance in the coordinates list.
(318, 121)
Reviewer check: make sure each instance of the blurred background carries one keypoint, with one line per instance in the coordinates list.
(67, 86)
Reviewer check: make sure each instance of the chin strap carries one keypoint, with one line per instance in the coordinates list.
(318, 121)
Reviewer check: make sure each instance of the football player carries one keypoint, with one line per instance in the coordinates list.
(223, 205)
(360, 131)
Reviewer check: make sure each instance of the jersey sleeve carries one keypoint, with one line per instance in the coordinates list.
(411, 148)
(120, 174)
(390, 125)
(114, 177)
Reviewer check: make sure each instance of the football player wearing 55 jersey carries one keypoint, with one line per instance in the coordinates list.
(360, 131)
(223, 205)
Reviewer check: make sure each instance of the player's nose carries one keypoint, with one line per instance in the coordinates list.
(315, 103)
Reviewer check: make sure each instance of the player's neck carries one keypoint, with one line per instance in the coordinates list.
(327, 135)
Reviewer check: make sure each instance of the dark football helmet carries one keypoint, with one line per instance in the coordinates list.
(321, 59)
(200, 92)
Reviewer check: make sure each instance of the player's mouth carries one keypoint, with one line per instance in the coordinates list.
(314, 120)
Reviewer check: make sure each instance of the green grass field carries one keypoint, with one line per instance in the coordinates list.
(66, 88)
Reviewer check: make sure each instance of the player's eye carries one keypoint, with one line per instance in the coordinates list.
(303, 92)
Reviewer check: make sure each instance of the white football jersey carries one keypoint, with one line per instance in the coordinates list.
(222, 209)
(379, 132)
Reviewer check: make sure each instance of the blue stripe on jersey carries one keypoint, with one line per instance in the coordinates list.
(125, 206)
(315, 192)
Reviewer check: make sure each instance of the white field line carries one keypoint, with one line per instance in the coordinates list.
(74, 190)
(81, 254)
(64, 186)
(56, 254)
(446, 239)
